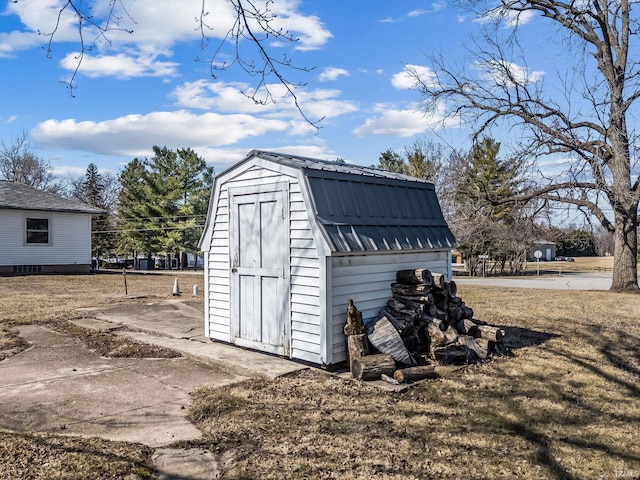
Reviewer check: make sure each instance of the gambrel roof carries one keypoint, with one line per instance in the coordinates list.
(22, 197)
(365, 209)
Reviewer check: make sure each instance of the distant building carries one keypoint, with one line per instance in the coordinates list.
(546, 248)
(43, 233)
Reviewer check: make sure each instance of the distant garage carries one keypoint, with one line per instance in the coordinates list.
(289, 240)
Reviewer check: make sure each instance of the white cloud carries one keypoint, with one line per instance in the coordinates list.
(152, 25)
(331, 74)
(508, 74)
(412, 76)
(228, 97)
(133, 135)
(405, 122)
(511, 18)
(121, 65)
(418, 12)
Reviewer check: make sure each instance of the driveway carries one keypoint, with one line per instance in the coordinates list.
(566, 281)
(59, 386)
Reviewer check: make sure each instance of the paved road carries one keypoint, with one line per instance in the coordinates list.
(566, 281)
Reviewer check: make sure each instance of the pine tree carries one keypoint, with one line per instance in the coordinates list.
(164, 201)
(93, 189)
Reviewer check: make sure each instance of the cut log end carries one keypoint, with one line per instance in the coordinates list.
(372, 367)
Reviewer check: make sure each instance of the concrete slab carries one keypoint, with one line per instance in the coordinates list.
(194, 463)
(178, 324)
(59, 386)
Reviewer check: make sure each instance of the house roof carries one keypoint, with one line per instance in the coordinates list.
(365, 209)
(22, 197)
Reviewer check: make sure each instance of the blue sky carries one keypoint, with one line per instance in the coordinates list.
(145, 88)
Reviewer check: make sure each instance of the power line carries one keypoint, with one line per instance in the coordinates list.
(154, 229)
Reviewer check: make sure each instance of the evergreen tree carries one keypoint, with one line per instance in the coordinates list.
(94, 189)
(134, 225)
(485, 221)
(391, 162)
(164, 201)
(423, 159)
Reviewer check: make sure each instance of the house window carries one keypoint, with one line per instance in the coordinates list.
(37, 230)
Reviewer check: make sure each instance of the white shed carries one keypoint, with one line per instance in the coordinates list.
(289, 240)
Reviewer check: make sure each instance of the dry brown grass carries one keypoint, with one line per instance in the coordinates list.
(581, 264)
(565, 404)
(39, 298)
(50, 457)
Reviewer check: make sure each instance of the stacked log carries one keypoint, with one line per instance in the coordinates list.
(424, 323)
(434, 322)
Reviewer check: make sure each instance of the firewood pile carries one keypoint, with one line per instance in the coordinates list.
(424, 324)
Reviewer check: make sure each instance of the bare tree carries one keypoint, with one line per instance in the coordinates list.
(248, 43)
(590, 123)
(18, 163)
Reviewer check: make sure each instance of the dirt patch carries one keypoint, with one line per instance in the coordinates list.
(110, 345)
(11, 343)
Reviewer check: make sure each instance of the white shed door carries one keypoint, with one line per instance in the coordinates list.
(259, 257)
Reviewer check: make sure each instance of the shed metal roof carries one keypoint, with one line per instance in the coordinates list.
(364, 209)
(22, 197)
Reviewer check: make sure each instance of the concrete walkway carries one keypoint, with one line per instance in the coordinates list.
(59, 386)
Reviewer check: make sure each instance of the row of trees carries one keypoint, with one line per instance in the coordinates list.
(155, 205)
(481, 194)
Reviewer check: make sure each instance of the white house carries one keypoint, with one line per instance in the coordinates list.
(289, 240)
(43, 233)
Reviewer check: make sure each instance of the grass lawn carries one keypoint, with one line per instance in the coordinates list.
(565, 403)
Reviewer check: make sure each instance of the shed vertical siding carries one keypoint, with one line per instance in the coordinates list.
(69, 239)
(304, 265)
(367, 280)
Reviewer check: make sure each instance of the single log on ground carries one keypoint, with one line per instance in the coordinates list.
(404, 375)
(371, 367)
(415, 277)
(493, 334)
(357, 347)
